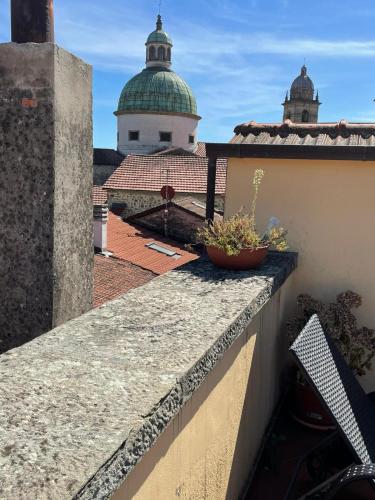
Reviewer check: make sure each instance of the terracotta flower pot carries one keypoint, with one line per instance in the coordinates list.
(307, 409)
(246, 259)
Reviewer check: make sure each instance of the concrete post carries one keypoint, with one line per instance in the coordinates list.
(46, 251)
(100, 227)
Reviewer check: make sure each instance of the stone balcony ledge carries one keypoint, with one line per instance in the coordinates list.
(81, 405)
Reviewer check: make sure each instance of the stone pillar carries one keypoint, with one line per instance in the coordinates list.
(46, 251)
(100, 227)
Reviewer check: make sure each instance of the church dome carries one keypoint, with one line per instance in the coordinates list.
(157, 89)
(157, 108)
(302, 87)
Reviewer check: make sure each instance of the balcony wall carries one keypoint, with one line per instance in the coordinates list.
(163, 393)
(328, 208)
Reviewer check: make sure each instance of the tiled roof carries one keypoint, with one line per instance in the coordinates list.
(186, 174)
(114, 277)
(306, 134)
(193, 205)
(99, 195)
(201, 149)
(107, 157)
(172, 152)
(128, 242)
(190, 204)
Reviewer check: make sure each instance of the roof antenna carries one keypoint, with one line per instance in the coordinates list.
(160, 1)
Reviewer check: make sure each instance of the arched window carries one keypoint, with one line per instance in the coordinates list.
(305, 116)
(161, 53)
(152, 53)
(169, 54)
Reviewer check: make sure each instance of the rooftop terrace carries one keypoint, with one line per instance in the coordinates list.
(82, 404)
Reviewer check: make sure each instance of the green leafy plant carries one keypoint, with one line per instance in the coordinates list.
(239, 231)
(357, 344)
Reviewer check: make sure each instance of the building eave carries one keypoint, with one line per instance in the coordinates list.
(223, 150)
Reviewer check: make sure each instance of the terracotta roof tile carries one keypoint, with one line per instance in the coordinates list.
(128, 242)
(189, 204)
(187, 174)
(114, 277)
(173, 151)
(342, 133)
(99, 195)
(193, 205)
(201, 149)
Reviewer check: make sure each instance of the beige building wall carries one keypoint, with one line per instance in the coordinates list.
(207, 451)
(102, 173)
(329, 210)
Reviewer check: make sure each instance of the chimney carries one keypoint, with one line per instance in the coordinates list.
(32, 21)
(100, 227)
(46, 252)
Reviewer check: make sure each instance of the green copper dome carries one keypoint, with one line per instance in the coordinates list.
(157, 89)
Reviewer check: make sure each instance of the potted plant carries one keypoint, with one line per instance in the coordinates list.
(235, 243)
(357, 345)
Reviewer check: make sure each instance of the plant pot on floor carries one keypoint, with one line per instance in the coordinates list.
(307, 409)
(246, 259)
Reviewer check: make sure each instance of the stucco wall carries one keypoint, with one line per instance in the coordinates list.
(328, 208)
(149, 125)
(208, 450)
(138, 201)
(102, 173)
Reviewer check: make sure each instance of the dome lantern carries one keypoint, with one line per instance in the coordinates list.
(159, 47)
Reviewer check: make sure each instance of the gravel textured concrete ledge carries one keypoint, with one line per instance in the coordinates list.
(82, 404)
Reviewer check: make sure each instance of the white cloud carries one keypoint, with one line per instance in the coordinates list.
(231, 89)
(197, 48)
(218, 58)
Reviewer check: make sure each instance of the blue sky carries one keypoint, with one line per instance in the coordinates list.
(239, 56)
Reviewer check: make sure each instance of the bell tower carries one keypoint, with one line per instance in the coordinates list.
(303, 105)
